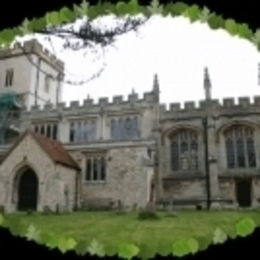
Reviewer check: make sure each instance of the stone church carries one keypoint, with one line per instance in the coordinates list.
(132, 151)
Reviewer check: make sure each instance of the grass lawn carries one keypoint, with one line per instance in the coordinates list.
(111, 229)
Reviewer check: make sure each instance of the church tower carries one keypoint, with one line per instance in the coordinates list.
(31, 73)
(207, 85)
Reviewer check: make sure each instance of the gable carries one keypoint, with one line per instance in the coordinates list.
(53, 149)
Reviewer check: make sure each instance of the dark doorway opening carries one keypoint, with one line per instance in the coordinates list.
(27, 191)
(243, 193)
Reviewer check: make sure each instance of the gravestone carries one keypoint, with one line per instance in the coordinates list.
(171, 212)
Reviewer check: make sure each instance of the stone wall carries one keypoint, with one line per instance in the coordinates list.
(185, 189)
(128, 178)
(29, 154)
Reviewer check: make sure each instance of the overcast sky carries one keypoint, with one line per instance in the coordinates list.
(177, 51)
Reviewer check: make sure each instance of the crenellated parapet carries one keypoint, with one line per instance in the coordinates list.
(218, 107)
(89, 107)
(33, 47)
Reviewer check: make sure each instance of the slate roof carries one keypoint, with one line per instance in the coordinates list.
(53, 148)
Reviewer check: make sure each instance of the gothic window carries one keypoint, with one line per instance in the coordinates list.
(251, 153)
(54, 131)
(124, 129)
(9, 77)
(240, 153)
(120, 130)
(85, 131)
(230, 153)
(240, 147)
(92, 131)
(175, 156)
(88, 170)
(184, 150)
(48, 133)
(95, 168)
(72, 132)
(42, 131)
(128, 128)
(103, 169)
(78, 134)
(135, 127)
(113, 129)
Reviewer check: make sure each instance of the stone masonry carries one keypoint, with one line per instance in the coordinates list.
(133, 158)
(52, 177)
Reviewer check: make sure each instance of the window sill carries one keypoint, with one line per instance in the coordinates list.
(95, 182)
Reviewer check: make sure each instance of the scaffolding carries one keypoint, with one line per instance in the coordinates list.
(8, 105)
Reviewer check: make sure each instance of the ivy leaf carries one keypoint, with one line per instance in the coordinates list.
(32, 233)
(204, 242)
(53, 18)
(39, 24)
(71, 243)
(127, 251)
(81, 247)
(167, 9)
(219, 236)
(192, 13)
(62, 244)
(147, 251)
(181, 248)
(155, 7)
(256, 37)
(17, 228)
(231, 26)
(24, 28)
(51, 241)
(215, 21)
(122, 8)
(133, 7)
(194, 245)
(95, 248)
(1, 219)
(178, 8)
(81, 10)
(109, 8)
(204, 15)
(66, 15)
(93, 13)
(244, 31)
(245, 227)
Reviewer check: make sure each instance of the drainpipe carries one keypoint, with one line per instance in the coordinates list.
(37, 82)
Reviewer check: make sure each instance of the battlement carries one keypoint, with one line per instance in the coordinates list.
(32, 46)
(226, 104)
(89, 106)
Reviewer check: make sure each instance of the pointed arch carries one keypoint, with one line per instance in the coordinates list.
(184, 147)
(240, 146)
(25, 175)
(167, 133)
(223, 128)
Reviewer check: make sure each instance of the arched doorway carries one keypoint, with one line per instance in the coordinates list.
(27, 191)
(243, 193)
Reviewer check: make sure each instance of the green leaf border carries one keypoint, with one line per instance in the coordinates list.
(179, 248)
(194, 13)
(64, 16)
